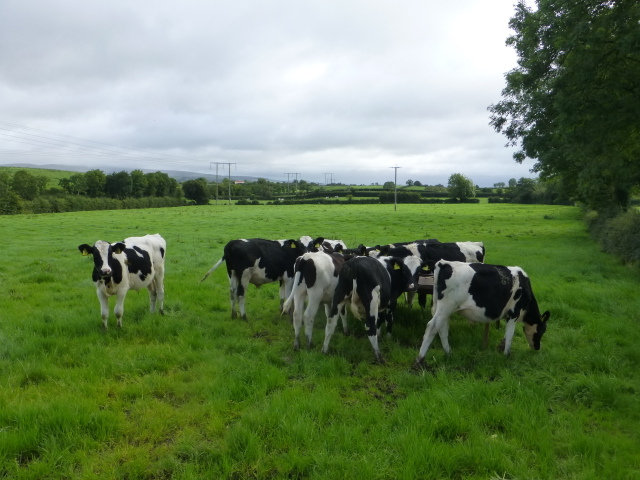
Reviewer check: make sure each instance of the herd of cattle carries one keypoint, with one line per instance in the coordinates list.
(318, 271)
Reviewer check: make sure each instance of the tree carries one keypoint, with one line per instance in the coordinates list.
(512, 183)
(95, 181)
(499, 185)
(410, 183)
(26, 185)
(461, 187)
(388, 186)
(196, 190)
(118, 185)
(138, 183)
(572, 103)
(417, 183)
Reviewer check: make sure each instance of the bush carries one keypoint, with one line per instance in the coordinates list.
(619, 235)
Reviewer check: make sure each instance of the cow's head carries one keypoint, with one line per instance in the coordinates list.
(102, 252)
(534, 332)
(294, 246)
(401, 275)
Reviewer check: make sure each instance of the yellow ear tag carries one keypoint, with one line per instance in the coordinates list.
(317, 245)
(293, 245)
(426, 269)
(85, 253)
(396, 267)
(377, 249)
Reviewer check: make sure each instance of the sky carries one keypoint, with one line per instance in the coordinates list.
(319, 90)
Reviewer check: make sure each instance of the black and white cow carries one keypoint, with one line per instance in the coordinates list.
(258, 261)
(483, 293)
(322, 244)
(134, 263)
(315, 280)
(371, 286)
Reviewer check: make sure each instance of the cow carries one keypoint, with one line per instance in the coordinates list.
(483, 293)
(258, 261)
(372, 286)
(315, 280)
(399, 249)
(322, 244)
(132, 264)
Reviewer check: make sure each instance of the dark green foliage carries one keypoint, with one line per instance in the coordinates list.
(619, 235)
(572, 103)
(196, 190)
(118, 185)
(461, 187)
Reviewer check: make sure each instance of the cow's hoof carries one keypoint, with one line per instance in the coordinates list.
(501, 346)
(162, 312)
(244, 317)
(380, 359)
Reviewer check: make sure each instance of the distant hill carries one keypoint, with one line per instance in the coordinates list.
(179, 175)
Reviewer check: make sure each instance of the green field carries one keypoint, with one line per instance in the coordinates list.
(193, 394)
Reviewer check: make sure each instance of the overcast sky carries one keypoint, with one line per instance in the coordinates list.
(348, 87)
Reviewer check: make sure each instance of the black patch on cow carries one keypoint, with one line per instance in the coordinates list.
(138, 261)
(162, 252)
(431, 253)
(444, 274)
(309, 272)
(275, 258)
(490, 289)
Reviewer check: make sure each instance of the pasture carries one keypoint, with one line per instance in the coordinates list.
(193, 394)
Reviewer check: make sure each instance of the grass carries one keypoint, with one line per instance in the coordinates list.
(193, 394)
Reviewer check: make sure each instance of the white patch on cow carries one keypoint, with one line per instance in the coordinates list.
(529, 332)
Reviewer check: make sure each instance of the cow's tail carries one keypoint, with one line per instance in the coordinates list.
(287, 304)
(213, 269)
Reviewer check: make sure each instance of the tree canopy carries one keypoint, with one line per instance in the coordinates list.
(572, 102)
(461, 187)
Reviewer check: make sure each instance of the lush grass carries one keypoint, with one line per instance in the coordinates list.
(196, 395)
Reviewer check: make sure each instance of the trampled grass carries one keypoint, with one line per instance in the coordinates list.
(193, 394)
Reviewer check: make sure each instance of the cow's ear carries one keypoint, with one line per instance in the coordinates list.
(545, 316)
(85, 249)
(118, 247)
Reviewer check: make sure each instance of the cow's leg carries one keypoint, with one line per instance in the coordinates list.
(242, 291)
(409, 297)
(298, 307)
(104, 307)
(233, 294)
(119, 310)
(371, 303)
(509, 330)
(443, 333)
(332, 321)
(433, 327)
(485, 336)
(343, 317)
(422, 300)
(153, 296)
(313, 303)
(159, 287)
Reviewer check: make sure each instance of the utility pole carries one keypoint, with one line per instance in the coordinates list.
(287, 174)
(229, 177)
(395, 188)
(325, 178)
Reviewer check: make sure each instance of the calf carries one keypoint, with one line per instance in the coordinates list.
(134, 263)
(315, 280)
(483, 293)
(258, 261)
(370, 285)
